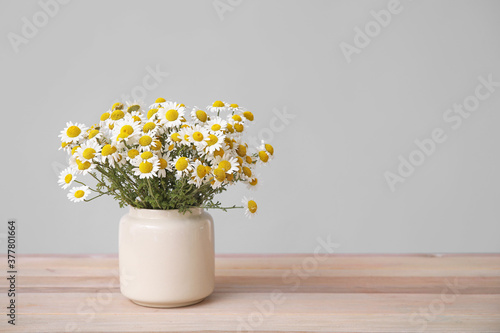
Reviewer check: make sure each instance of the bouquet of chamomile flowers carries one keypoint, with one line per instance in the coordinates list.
(166, 157)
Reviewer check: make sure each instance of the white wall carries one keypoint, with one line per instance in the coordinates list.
(351, 119)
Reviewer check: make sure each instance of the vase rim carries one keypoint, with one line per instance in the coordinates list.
(162, 213)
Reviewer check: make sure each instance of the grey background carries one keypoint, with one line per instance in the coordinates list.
(352, 120)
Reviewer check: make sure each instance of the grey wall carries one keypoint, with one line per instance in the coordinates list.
(350, 118)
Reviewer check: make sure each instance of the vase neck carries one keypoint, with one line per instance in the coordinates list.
(161, 214)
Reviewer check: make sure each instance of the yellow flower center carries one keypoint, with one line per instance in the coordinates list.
(212, 139)
(117, 106)
(104, 116)
(218, 104)
(201, 171)
(132, 153)
(229, 142)
(269, 148)
(263, 156)
(73, 131)
(248, 159)
(89, 153)
(219, 152)
(238, 127)
(230, 177)
(79, 194)
(68, 178)
(240, 160)
(220, 174)
(172, 115)
(201, 115)
(108, 150)
(171, 147)
(253, 182)
(237, 117)
(148, 127)
(224, 165)
(215, 127)
(146, 155)
(160, 100)
(248, 115)
(181, 164)
(247, 171)
(132, 108)
(230, 128)
(64, 144)
(83, 166)
(127, 130)
(156, 145)
(234, 105)
(111, 126)
(241, 150)
(252, 206)
(197, 136)
(145, 140)
(117, 115)
(175, 137)
(93, 133)
(137, 119)
(145, 167)
(73, 151)
(151, 113)
(163, 163)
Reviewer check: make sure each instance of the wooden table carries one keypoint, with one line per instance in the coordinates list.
(292, 293)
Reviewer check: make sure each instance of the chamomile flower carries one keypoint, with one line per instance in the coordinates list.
(165, 165)
(215, 141)
(127, 130)
(110, 153)
(78, 194)
(147, 168)
(198, 136)
(132, 154)
(135, 116)
(219, 177)
(147, 142)
(66, 178)
(152, 128)
(267, 148)
(134, 106)
(199, 173)
(217, 125)
(81, 167)
(250, 207)
(174, 138)
(233, 107)
(217, 107)
(115, 116)
(88, 151)
(184, 135)
(73, 132)
(94, 133)
(182, 166)
(227, 163)
(158, 102)
(171, 115)
(253, 184)
(199, 116)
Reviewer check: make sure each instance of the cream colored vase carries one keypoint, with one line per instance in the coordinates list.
(166, 258)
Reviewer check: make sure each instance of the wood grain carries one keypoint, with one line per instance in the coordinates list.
(269, 293)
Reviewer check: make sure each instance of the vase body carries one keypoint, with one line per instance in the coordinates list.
(166, 258)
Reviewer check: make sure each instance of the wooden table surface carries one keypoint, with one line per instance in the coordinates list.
(268, 293)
